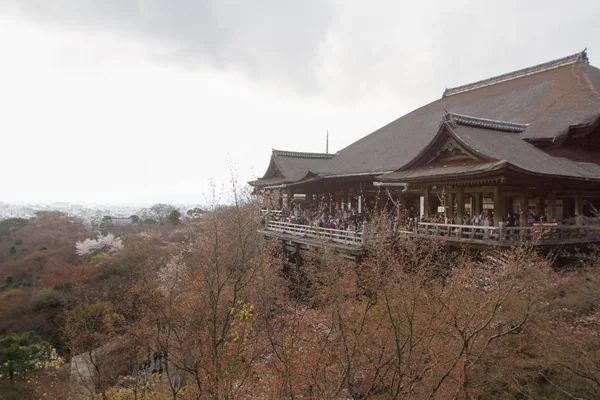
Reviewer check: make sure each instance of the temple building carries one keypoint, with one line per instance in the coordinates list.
(505, 148)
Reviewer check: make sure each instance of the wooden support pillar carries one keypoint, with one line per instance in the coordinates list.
(480, 204)
(499, 206)
(425, 203)
(476, 204)
(277, 199)
(298, 257)
(398, 204)
(551, 206)
(578, 209)
(450, 198)
(524, 204)
(540, 206)
(285, 200)
(471, 204)
(460, 203)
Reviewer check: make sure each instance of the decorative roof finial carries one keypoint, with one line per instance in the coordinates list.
(449, 118)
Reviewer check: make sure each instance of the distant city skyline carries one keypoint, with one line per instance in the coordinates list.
(147, 101)
(88, 212)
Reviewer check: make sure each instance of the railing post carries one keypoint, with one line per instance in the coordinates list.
(364, 234)
(501, 226)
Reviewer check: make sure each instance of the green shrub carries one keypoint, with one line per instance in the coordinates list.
(11, 282)
(10, 225)
(22, 353)
(98, 257)
(45, 298)
(18, 242)
(123, 270)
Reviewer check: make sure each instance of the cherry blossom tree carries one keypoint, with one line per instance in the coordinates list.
(109, 244)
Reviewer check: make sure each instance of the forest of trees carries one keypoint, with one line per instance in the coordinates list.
(207, 308)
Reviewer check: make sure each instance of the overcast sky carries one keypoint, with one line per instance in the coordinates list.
(148, 100)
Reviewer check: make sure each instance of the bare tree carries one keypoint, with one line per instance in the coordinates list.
(160, 212)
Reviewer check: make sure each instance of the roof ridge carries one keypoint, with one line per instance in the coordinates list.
(299, 154)
(560, 62)
(460, 119)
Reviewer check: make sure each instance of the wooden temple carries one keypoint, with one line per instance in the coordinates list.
(491, 162)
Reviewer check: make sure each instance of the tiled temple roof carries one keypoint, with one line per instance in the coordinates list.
(536, 106)
(561, 62)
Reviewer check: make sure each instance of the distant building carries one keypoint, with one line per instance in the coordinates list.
(117, 221)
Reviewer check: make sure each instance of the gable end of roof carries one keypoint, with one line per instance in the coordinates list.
(561, 62)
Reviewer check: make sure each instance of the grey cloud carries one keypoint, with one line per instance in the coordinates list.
(268, 40)
(416, 49)
(348, 49)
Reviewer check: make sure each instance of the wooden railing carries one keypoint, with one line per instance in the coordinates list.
(273, 213)
(348, 238)
(554, 234)
(483, 233)
(544, 234)
(537, 235)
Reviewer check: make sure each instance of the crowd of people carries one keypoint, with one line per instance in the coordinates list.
(341, 219)
(352, 220)
(487, 218)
